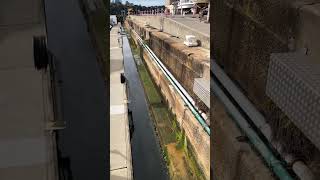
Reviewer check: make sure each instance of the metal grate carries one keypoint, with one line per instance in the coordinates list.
(294, 85)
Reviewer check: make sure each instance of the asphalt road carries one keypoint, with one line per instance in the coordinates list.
(83, 144)
(194, 23)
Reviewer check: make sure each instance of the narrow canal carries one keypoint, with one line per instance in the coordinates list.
(147, 159)
(82, 144)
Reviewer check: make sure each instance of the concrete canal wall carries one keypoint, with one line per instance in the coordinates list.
(185, 63)
(198, 138)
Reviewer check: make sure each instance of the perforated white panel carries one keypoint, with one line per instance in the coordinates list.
(201, 88)
(294, 85)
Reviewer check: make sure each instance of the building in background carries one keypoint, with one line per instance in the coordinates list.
(185, 6)
(182, 7)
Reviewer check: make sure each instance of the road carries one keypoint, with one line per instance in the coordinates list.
(194, 23)
(83, 144)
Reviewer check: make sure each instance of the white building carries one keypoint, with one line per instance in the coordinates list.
(180, 6)
(185, 4)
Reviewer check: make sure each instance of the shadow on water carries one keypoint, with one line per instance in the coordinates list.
(147, 159)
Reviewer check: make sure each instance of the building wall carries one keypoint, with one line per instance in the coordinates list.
(244, 35)
(232, 159)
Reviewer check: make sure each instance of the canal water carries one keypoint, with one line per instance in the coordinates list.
(82, 144)
(147, 159)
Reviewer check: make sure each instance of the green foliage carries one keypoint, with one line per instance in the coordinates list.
(193, 164)
(185, 144)
(116, 8)
(174, 125)
(166, 155)
(180, 138)
(152, 93)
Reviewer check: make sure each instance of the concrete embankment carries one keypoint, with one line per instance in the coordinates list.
(186, 64)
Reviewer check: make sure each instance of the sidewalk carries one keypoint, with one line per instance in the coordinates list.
(120, 149)
(27, 142)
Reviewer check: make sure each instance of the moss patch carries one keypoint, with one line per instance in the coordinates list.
(151, 92)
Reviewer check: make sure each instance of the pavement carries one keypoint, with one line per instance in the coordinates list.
(194, 23)
(120, 148)
(27, 148)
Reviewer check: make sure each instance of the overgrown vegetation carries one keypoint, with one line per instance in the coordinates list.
(166, 156)
(117, 8)
(151, 93)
